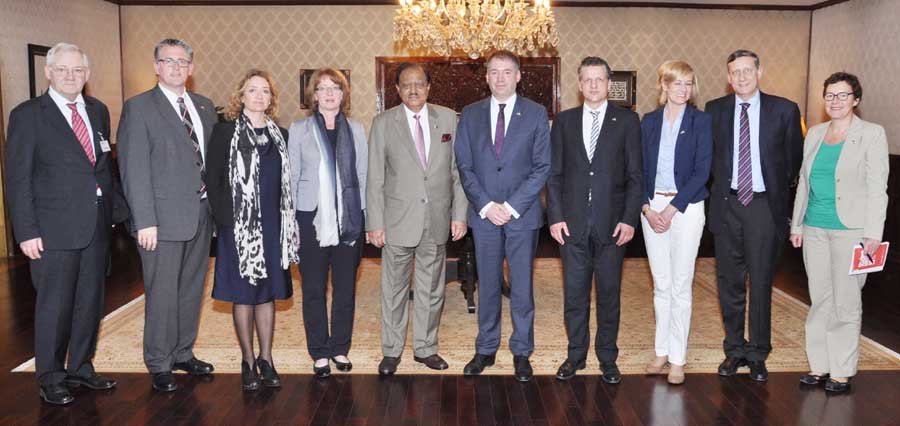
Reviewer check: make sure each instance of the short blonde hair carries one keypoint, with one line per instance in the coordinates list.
(670, 71)
(336, 77)
(236, 105)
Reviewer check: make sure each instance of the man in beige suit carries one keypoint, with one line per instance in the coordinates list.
(414, 201)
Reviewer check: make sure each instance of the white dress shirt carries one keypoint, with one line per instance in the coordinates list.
(63, 104)
(588, 119)
(753, 115)
(195, 116)
(507, 116)
(423, 121)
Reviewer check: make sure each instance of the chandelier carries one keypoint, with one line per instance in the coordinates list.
(475, 26)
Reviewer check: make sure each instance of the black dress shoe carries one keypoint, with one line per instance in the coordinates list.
(813, 379)
(164, 382)
(249, 378)
(611, 372)
(267, 374)
(478, 364)
(837, 387)
(194, 367)
(434, 362)
(56, 394)
(758, 371)
(95, 381)
(523, 370)
(388, 365)
(342, 366)
(322, 372)
(568, 368)
(730, 365)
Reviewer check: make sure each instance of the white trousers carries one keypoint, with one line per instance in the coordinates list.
(672, 255)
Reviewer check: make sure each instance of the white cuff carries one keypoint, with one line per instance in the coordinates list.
(512, 211)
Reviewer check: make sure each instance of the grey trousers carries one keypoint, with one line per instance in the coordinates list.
(174, 274)
(396, 273)
(835, 316)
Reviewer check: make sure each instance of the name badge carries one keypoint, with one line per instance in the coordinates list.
(104, 144)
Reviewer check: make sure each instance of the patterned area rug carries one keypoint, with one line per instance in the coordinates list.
(120, 344)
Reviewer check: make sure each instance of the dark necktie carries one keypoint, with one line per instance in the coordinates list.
(499, 132)
(745, 164)
(81, 132)
(189, 125)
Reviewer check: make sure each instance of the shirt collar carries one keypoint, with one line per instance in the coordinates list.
(753, 101)
(172, 96)
(511, 102)
(61, 101)
(423, 113)
(601, 110)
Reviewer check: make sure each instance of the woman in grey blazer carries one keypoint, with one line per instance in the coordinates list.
(328, 159)
(841, 203)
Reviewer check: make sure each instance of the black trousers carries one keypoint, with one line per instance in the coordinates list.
(69, 305)
(747, 246)
(315, 262)
(592, 258)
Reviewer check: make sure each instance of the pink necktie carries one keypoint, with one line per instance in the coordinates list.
(420, 142)
(81, 132)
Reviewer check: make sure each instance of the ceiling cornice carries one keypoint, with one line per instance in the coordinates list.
(561, 3)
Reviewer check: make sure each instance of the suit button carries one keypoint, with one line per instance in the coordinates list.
(499, 169)
(837, 180)
(726, 198)
(426, 178)
(423, 201)
(590, 173)
(198, 163)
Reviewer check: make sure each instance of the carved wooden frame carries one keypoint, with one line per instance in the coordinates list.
(457, 82)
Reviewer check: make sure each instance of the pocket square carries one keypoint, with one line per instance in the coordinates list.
(445, 138)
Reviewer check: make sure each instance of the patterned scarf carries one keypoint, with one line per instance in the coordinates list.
(243, 174)
(339, 186)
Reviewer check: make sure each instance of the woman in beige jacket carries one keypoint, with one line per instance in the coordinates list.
(841, 203)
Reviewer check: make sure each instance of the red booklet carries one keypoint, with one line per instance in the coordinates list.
(861, 264)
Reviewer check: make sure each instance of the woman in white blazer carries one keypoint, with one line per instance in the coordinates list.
(328, 158)
(841, 203)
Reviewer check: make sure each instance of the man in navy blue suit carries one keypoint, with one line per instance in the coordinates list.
(503, 154)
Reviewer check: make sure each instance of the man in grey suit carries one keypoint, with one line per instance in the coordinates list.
(161, 143)
(415, 200)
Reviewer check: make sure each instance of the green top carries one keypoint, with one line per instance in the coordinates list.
(821, 211)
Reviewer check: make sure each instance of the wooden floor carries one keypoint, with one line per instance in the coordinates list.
(704, 399)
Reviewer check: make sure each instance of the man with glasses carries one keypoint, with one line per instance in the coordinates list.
(62, 195)
(594, 199)
(414, 201)
(758, 147)
(162, 138)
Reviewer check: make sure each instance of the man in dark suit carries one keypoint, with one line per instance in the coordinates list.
(162, 144)
(594, 199)
(62, 193)
(503, 154)
(758, 146)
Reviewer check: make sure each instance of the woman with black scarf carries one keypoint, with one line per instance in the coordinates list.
(248, 184)
(329, 155)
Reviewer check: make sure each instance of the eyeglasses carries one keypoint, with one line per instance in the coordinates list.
(416, 84)
(172, 62)
(841, 96)
(745, 72)
(77, 71)
(329, 89)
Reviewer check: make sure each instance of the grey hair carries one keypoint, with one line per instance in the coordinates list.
(66, 47)
(175, 43)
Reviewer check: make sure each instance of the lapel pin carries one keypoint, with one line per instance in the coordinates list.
(519, 114)
(683, 132)
(614, 119)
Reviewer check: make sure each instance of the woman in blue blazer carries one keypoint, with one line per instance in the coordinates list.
(676, 140)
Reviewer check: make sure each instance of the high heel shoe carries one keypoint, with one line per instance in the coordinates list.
(342, 366)
(268, 376)
(249, 378)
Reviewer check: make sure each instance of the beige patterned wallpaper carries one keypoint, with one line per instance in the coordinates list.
(859, 37)
(91, 24)
(283, 39)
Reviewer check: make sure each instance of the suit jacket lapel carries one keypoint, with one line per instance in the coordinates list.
(489, 133)
(766, 117)
(728, 129)
(96, 126)
(401, 126)
(687, 123)
(58, 121)
(434, 136)
(208, 118)
(610, 124)
(576, 127)
(168, 113)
